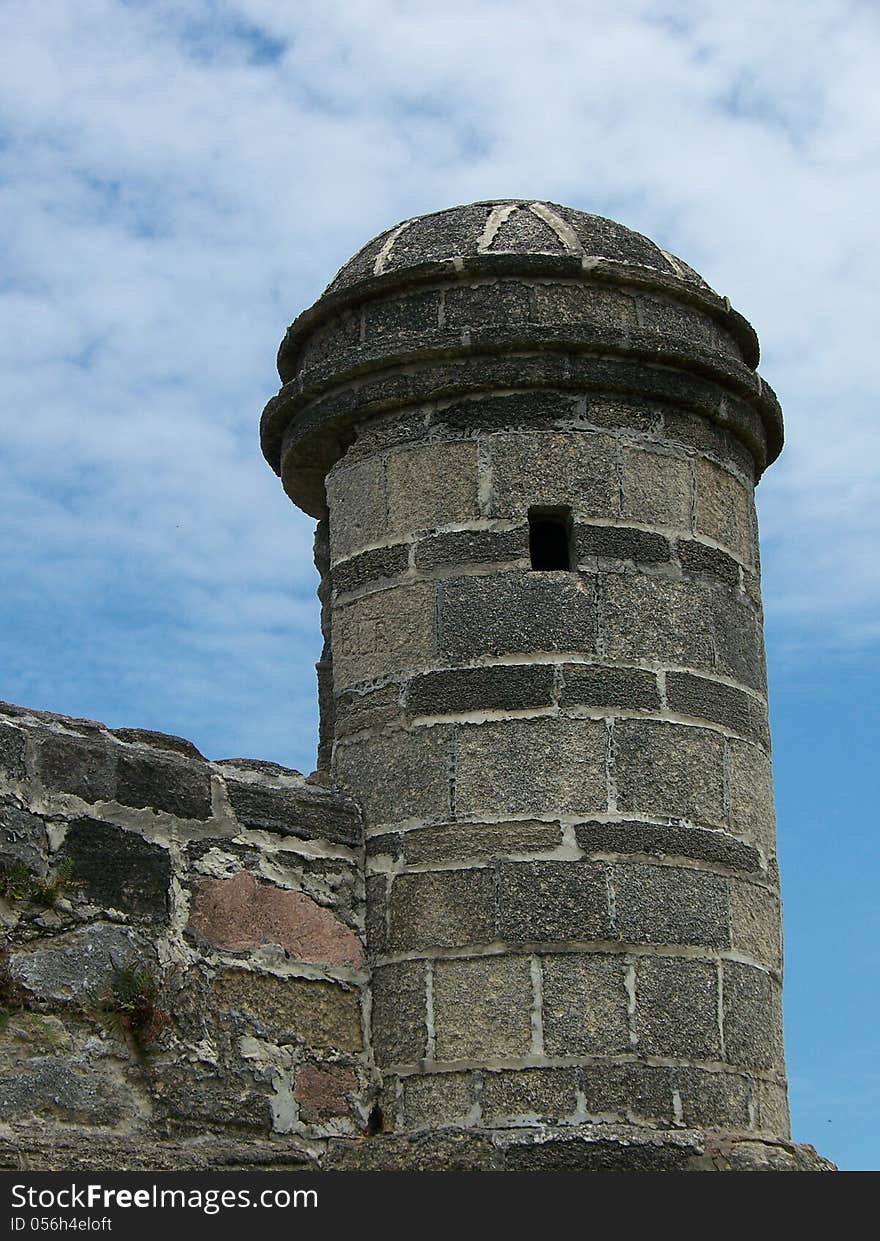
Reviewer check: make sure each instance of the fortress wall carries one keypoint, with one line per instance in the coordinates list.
(231, 890)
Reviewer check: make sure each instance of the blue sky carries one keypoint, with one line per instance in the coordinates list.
(178, 180)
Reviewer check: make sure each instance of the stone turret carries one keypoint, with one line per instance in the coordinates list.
(531, 439)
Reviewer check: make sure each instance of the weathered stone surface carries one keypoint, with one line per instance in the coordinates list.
(552, 901)
(655, 488)
(700, 558)
(431, 485)
(723, 509)
(357, 502)
(438, 1099)
(376, 919)
(191, 1100)
(750, 783)
(631, 836)
(620, 543)
(399, 1013)
(302, 811)
(645, 617)
(119, 869)
(460, 842)
(403, 775)
(502, 767)
(771, 1100)
(677, 1008)
(61, 1088)
(713, 1100)
(739, 641)
(22, 837)
(492, 411)
(370, 567)
(670, 905)
(12, 752)
(594, 686)
(76, 967)
(370, 709)
(512, 613)
(79, 765)
(241, 913)
(633, 1152)
(383, 634)
(634, 1093)
(547, 1095)
(319, 1014)
(669, 769)
(584, 1008)
(713, 700)
(576, 468)
(442, 909)
(469, 547)
(576, 302)
(474, 304)
(482, 1008)
(146, 780)
(158, 741)
(756, 923)
(411, 313)
(323, 1091)
(505, 687)
(752, 1017)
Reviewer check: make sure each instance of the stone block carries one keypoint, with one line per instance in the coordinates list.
(73, 968)
(739, 641)
(590, 685)
(655, 618)
(752, 1017)
(63, 1089)
(549, 468)
(471, 305)
(628, 1093)
(159, 741)
(22, 837)
(400, 1013)
(78, 765)
(471, 547)
(529, 1095)
(399, 776)
(669, 769)
(431, 485)
(242, 913)
(656, 488)
(723, 509)
(538, 408)
(188, 1100)
(357, 501)
(502, 767)
(713, 1100)
(699, 558)
(370, 567)
(667, 840)
(324, 1092)
(706, 699)
(756, 923)
(377, 913)
(771, 1100)
(146, 781)
(442, 909)
(438, 1099)
(518, 612)
(295, 810)
(119, 869)
(12, 752)
(383, 634)
(547, 902)
(750, 783)
(370, 709)
(620, 543)
(482, 1008)
(690, 325)
(584, 303)
(670, 905)
(321, 1015)
(410, 314)
(502, 687)
(676, 1012)
(460, 842)
(584, 1009)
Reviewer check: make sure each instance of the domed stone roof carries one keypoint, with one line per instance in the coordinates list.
(508, 227)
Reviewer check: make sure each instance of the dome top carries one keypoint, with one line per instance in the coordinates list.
(508, 227)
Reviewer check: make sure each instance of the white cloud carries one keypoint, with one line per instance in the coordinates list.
(181, 179)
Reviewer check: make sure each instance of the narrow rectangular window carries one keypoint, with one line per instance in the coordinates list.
(550, 538)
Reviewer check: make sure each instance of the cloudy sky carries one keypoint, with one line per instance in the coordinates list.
(180, 179)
